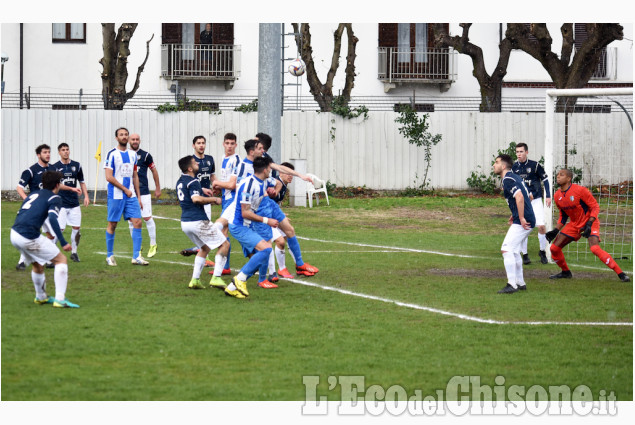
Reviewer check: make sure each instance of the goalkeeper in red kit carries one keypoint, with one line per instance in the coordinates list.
(578, 206)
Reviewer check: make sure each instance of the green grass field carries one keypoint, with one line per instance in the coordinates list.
(141, 334)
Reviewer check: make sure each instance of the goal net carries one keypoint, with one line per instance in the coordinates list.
(590, 132)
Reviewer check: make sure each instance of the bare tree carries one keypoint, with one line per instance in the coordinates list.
(323, 93)
(115, 64)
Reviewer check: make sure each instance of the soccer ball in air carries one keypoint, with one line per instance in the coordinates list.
(296, 68)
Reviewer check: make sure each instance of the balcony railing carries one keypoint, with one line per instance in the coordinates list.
(607, 67)
(200, 61)
(410, 65)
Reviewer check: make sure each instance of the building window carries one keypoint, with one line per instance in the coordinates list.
(69, 33)
(580, 35)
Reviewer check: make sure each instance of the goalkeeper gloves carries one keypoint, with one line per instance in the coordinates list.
(586, 230)
(551, 235)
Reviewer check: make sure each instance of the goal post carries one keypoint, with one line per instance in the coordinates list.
(594, 138)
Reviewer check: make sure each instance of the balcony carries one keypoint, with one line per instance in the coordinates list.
(219, 62)
(607, 67)
(430, 66)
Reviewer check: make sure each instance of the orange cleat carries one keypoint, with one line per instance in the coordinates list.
(306, 269)
(209, 263)
(227, 272)
(273, 278)
(284, 273)
(267, 285)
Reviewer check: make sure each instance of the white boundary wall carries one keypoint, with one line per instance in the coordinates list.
(356, 153)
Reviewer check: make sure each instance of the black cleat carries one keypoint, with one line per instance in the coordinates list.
(526, 259)
(75, 258)
(50, 265)
(543, 257)
(20, 267)
(562, 275)
(188, 252)
(623, 277)
(508, 290)
(522, 287)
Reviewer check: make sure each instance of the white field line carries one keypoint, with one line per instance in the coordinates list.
(421, 307)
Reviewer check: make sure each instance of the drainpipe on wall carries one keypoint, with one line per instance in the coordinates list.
(21, 65)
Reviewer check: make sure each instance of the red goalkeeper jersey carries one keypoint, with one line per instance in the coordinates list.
(576, 203)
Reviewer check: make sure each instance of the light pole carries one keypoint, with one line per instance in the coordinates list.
(5, 58)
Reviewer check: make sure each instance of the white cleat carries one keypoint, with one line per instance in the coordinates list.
(139, 261)
(111, 260)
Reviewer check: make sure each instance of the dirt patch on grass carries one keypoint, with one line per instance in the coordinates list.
(500, 274)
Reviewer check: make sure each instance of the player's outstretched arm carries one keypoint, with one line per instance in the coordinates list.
(204, 200)
(282, 169)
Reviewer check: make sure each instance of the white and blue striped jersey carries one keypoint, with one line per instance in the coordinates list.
(229, 167)
(251, 191)
(122, 164)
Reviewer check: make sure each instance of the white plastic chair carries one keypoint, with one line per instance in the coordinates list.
(317, 187)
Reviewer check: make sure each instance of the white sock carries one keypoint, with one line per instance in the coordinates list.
(130, 226)
(219, 264)
(510, 267)
(272, 262)
(281, 257)
(61, 281)
(543, 241)
(152, 231)
(39, 282)
(199, 263)
(523, 245)
(520, 280)
(242, 276)
(73, 243)
(21, 260)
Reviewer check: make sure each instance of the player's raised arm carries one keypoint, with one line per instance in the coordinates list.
(282, 169)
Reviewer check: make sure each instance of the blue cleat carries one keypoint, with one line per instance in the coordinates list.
(64, 304)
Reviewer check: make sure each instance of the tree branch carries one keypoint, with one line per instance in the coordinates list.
(140, 70)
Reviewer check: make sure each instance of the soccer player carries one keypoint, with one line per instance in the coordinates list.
(533, 175)
(71, 212)
(206, 169)
(145, 162)
(285, 225)
(195, 224)
(279, 237)
(578, 204)
(521, 222)
(37, 249)
(239, 215)
(123, 196)
(31, 178)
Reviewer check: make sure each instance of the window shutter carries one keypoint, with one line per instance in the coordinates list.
(581, 35)
(171, 33)
(223, 33)
(388, 35)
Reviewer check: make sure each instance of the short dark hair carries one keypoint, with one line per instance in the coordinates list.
(50, 179)
(229, 136)
(121, 128)
(40, 148)
(185, 162)
(288, 165)
(522, 145)
(62, 145)
(198, 137)
(265, 139)
(507, 160)
(250, 144)
(568, 172)
(261, 163)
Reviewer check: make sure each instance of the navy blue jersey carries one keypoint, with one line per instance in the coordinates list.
(205, 170)
(512, 183)
(532, 174)
(282, 193)
(32, 177)
(144, 162)
(34, 211)
(73, 174)
(186, 187)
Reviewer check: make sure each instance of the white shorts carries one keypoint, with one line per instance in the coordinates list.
(203, 232)
(539, 211)
(277, 233)
(208, 211)
(47, 228)
(41, 250)
(146, 201)
(514, 238)
(70, 216)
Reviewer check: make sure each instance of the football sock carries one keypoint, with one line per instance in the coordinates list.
(229, 251)
(520, 280)
(137, 239)
(272, 262)
(199, 263)
(558, 256)
(131, 227)
(510, 267)
(294, 247)
(543, 241)
(152, 231)
(282, 259)
(254, 263)
(523, 245)
(606, 258)
(73, 242)
(21, 260)
(262, 272)
(110, 244)
(219, 264)
(39, 282)
(61, 280)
